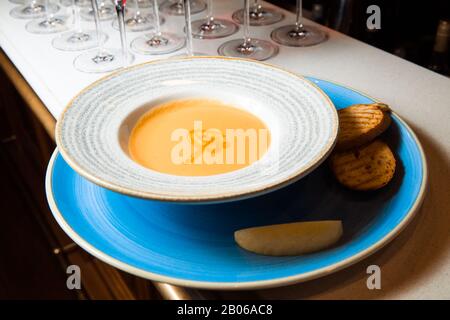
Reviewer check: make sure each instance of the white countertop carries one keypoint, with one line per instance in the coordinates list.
(414, 266)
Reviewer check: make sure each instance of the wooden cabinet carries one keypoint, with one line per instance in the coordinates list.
(34, 251)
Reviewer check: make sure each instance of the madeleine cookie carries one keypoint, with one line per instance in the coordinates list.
(361, 123)
(366, 168)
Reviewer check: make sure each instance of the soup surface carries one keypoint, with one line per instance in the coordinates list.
(197, 137)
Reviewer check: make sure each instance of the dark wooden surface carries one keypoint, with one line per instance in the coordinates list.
(28, 268)
(34, 251)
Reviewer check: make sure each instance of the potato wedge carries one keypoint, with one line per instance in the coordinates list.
(290, 239)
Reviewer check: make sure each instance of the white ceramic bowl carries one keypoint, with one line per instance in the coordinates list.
(92, 133)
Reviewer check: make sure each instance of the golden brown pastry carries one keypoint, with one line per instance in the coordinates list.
(368, 167)
(361, 123)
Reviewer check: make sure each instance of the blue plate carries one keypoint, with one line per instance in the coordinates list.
(193, 245)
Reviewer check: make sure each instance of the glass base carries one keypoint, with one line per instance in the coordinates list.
(136, 23)
(79, 3)
(78, 40)
(158, 44)
(83, 3)
(262, 17)
(141, 3)
(106, 60)
(218, 28)
(18, 1)
(53, 24)
(105, 12)
(176, 8)
(32, 11)
(302, 37)
(256, 49)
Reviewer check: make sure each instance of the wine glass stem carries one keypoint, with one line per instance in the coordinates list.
(299, 19)
(48, 15)
(187, 18)
(76, 17)
(257, 8)
(136, 6)
(156, 16)
(98, 26)
(247, 38)
(137, 9)
(210, 17)
(120, 8)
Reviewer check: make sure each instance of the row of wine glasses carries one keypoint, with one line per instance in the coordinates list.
(156, 41)
(104, 59)
(297, 35)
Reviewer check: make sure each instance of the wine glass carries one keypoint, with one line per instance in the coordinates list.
(298, 35)
(248, 47)
(212, 28)
(51, 23)
(259, 15)
(176, 7)
(78, 39)
(105, 12)
(33, 9)
(157, 42)
(137, 20)
(104, 59)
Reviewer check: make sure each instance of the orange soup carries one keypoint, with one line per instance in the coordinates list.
(198, 137)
